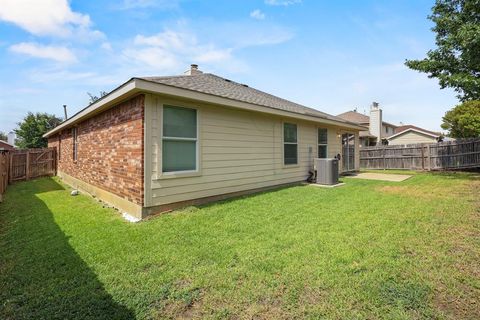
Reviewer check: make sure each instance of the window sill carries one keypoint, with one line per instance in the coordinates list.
(176, 175)
(286, 166)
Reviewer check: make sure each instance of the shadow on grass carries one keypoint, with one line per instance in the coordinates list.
(41, 275)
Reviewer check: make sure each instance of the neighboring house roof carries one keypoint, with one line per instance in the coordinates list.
(366, 134)
(411, 128)
(360, 118)
(354, 116)
(209, 88)
(5, 145)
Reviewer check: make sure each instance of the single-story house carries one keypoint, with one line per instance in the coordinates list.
(409, 134)
(378, 130)
(158, 143)
(6, 146)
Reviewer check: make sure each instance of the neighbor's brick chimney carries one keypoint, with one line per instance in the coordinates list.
(376, 122)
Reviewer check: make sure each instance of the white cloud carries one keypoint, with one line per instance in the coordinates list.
(213, 46)
(170, 50)
(106, 46)
(56, 53)
(47, 17)
(257, 14)
(282, 2)
(213, 55)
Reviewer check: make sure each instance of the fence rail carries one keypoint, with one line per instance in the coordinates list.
(17, 165)
(459, 154)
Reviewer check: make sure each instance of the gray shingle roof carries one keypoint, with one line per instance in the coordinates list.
(212, 84)
(354, 116)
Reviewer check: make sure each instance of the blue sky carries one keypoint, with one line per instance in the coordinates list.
(329, 55)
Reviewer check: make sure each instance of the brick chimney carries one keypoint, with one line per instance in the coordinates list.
(11, 138)
(193, 70)
(376, 122)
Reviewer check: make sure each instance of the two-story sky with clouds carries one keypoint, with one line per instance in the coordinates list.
(330, 55)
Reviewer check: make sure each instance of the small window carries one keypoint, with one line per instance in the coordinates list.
(179, 139)
(75, 144)
(322, 142)
(290, 145)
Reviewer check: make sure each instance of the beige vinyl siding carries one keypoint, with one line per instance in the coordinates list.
(411, 137)
(238, 150)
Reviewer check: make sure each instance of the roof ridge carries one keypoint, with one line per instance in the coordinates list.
(270, 95)
(224, 87)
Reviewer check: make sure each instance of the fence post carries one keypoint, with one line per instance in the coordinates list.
(27, 164)
(429, 158)
(423, 156)
(384, 161)
(10, 154)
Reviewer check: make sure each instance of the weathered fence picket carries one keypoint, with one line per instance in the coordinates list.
(459, 154)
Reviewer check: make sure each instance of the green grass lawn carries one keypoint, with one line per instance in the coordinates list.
(366, 250)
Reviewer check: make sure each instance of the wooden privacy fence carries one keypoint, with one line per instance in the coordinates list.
(459, 154)
(17, 165)
(31, 163)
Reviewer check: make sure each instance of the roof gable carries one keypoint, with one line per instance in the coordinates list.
(409, 126)
(414, 129)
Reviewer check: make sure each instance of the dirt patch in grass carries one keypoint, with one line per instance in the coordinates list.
(414, 192)
(181, 300)
(427, 193)
(463, 305)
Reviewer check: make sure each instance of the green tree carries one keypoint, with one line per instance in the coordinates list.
(33, 127)
(456, 60)
(3, 136)
(463, 121)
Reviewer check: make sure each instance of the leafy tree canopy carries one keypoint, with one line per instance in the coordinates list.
(3, 136)
(463, 121)
(456, 60)
(33, 127)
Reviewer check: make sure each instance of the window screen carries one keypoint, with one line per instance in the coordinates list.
(179, 141)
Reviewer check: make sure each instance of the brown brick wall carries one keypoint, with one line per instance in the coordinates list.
(110, 150)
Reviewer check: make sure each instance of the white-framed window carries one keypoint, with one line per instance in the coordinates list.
(290, 144)
(322, 143)
(179, 139)
(75, 143)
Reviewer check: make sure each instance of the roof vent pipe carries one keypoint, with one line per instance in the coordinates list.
(65, 111)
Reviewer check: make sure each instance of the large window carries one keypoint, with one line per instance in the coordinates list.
(322, 142)
(75, 143)
(179, 139)
(290, 145)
